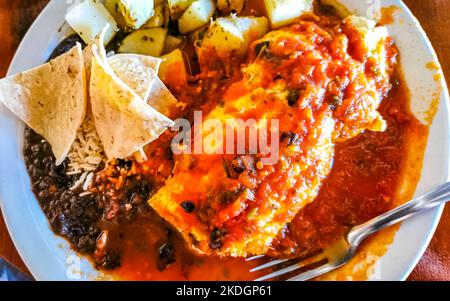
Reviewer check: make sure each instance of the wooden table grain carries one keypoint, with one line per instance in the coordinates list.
(16, 17)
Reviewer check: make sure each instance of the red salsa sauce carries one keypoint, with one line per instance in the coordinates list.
(363, 183)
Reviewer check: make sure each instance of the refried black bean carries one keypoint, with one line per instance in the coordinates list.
(81, 219)
(74, 217)
(69, 215)
(66, 45)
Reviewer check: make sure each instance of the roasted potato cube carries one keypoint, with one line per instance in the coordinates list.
(229, 6)
(112, 7)
(146, 41)
(158, 18)
(178, 7)
(224, 37)
(172, 69)
(197, 15)
(172, 43)
(131, 14)
(234, 34)
(158, 2)
(283, 12)
(252, 28)
(89, 18)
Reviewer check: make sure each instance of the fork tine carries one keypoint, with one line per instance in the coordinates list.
(268, 264)
(254, 257)
(296, 266)
(313, 273)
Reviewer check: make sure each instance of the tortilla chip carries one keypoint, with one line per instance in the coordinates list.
(50, 99)
(140, 73)
(87, 55)
(137, 71)
(161, 99)
(124, 121)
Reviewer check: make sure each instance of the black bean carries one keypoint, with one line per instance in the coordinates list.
(53, 173)
(47, 160)
(188, 206)
(43, 185)
(216, 237)
(293, 97)
(37, 173)
(76, 210)
(66, 45)
(290, 138)
(126, 164)
(137, 198)
(166, 256)
(36, 148)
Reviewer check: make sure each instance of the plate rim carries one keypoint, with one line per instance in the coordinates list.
(444, 97)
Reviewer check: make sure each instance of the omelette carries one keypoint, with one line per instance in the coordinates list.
(322, 83)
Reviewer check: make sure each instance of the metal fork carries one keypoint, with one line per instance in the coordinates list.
(342, 251)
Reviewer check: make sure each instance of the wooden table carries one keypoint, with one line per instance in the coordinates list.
(16, 16)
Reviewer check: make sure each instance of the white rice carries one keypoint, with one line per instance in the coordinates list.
(86, 154)
(86, 193)
(88, 181)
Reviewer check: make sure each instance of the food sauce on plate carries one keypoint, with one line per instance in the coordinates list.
(366, 180)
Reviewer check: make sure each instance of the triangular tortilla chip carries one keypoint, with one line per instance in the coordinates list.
(137, 71)
(124, 121)
(50, 99)
(140, 73)
(87, 55)
(161, 99)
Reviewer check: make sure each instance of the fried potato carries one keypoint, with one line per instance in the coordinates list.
(89, 18)
(171, 62)
(177, 7)
(234, 34)
(146, 41)
(197, 15)
(283, 12)
(131, 14)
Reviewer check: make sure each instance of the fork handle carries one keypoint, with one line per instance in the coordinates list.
(438, 196)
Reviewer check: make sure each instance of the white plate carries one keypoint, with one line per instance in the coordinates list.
(49, 257)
